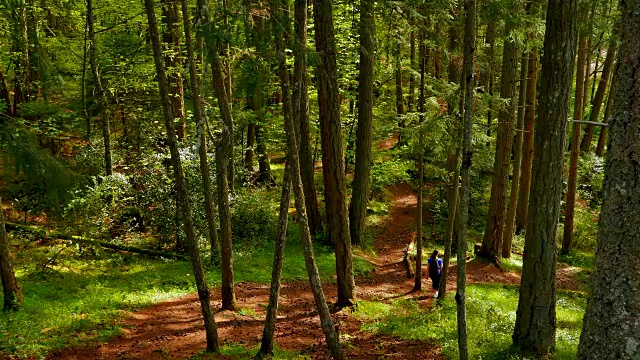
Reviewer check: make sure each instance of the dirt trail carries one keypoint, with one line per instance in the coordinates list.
(173, 329)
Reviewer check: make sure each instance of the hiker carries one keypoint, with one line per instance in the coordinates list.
(435, 271)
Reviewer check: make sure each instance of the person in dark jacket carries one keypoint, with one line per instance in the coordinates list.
(435, 271)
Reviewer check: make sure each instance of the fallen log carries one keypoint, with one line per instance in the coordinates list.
(62, 236)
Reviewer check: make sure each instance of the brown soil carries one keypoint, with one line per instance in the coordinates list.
(173, 329)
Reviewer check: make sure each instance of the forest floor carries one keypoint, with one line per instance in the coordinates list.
(173, 329)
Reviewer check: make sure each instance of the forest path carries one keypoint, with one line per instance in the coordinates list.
(173, 329)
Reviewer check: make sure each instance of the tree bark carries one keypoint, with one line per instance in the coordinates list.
(181, 187)
(611, 328)
(417, 284)
(581, 72)
(599, 97)
(361, 176)
(267, 344)
(453, 162)
(412, 78)
(173, 61)
(492, 241)
(399, 95)
(224, 151)
(10, 288)
(332, 151)
(301, 117)
(200, 115)
(328, 326)
(507, 233)
(527, 145)
(467, 151)
(535, 326)
(490, 40)
(602, 140)
(99, 89)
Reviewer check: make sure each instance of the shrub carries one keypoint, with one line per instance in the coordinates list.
(254, 217)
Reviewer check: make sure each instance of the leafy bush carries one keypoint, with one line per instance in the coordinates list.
(254, 217)
(591, 171)
(388, 172)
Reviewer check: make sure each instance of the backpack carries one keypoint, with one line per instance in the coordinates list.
(433, 268)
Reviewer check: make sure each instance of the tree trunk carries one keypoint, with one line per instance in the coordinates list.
(507, 233)
(361, 176)
(535, 326)
(328, 326)
(200, 116)
(417, 284)
(492, 241)
(181, 187)
(4, 91)
(611, 329)
(412, 78)
(173, 61)
(607, 113)
(20, 46)
(399, 95)
(267, 344)
(453, 199)
(224, 150)
(599, 97)
(301, 117)
(581, 72)
(461, 297)
(99, 89)
(332, 153)
(248, 154)
(490, 40)
(10, 288)
(527, 145)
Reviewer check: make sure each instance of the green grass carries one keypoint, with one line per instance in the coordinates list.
(81, 297)
(490, 318)
(580, 259)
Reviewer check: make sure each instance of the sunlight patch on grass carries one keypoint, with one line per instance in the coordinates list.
(491, 316)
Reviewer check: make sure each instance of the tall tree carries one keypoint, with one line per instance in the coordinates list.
(335, 188)
(10, 288)
(360, 186)
(20, 50)
(535, 326)
(507, 233)
(417, 284)
(527, 144)
(300, 108)
(224, 151)
(611, 329)
(99, 91)
(599, 96)
(492, 241)
(200, 116)
(181, 186)
(467, 155)
(280, 36)
(173, 60)
(581, 71)
(267, 343)
(602, 140)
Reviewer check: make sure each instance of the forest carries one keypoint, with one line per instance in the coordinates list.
(320, 179)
